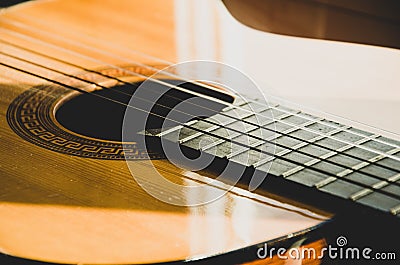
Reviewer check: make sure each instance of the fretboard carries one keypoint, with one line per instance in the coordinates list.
(326, 156)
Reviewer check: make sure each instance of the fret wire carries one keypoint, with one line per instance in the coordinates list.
(145, 55)
(316, 160)
(240, 132)
(233, 136)
(395, 210)
(321, 135)
(190, 127)
(389, 194)
(20, 25)
(173, 129)
(260, 142)
(215, 127)
(229, 108)
(274, 137)
(81, 55)
(387, 144)
(355, 168)
(362, 193)
(349, 143)
(364, 164)
(333, 178)
(383, 166)
(348, 131)
(284, 152)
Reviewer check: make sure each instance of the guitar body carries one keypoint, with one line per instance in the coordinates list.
(70, 197)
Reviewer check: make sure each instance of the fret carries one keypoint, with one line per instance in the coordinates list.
(360, 194)
(275, 136)
(322, 157)
(213, 128)
(379, 185)
(231, 107)
(367, 196)
(373, 158)
(234, 135)
(379, 201)
(388, 162)
(390, 141)
(298, 146)
(358, 166)
(381, 140)
(239, 137)
(241, 105)
(395, 210)
(356, 144)
(176, 128)
(225, 120)
(380, 157)
(216, 143)
(366, 163)
(380, 146)
(279, 166)
(335, 161)
(242, 150)
(308, 177)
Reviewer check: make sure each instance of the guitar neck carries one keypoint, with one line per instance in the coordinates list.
(303, 156)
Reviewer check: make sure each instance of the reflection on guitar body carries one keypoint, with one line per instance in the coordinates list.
(146, 132)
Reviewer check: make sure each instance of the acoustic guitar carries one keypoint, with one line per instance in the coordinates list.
(138, 132)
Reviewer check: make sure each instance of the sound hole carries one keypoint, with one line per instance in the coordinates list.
(100, 114)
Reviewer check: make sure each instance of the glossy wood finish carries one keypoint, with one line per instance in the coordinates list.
(60, 208)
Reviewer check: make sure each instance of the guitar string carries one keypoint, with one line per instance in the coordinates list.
(283, 122)
(326, 136)
(218, 185)
(395, 196)
(112, 55)
(208, 109)
(210, 87)
(210, 122)
(229, 104)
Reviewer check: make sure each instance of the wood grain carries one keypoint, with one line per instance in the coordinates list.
(61, 208)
